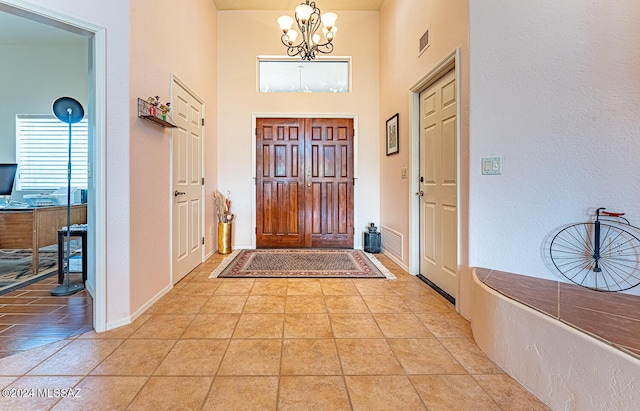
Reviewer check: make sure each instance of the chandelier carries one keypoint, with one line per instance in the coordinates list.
(308, 19)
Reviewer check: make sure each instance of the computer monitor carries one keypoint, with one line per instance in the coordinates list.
(7, 175)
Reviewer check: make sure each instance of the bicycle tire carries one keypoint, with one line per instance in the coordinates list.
(572, 253)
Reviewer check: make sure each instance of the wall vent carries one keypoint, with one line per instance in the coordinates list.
(425, 41)
(392, 242)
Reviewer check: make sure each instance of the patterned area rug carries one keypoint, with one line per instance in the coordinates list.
(15, 268)
(301, 263)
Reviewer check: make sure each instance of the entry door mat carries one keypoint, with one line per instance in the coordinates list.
(301, 263)
(16, 272)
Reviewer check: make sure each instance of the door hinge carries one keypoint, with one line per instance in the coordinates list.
(256, 229)
(202, 180)
(203, 121)
(203, 240)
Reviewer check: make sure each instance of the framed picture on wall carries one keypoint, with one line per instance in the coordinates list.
(393, 141)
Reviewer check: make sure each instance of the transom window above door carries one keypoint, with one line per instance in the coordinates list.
(280, 75)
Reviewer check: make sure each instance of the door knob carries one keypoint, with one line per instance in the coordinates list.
(178, 193)
(308, 184)
(421, 193)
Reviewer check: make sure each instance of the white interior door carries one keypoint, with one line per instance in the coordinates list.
(438, 184)
(187, 182)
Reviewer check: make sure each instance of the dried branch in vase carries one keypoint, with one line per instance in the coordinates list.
(223, 207)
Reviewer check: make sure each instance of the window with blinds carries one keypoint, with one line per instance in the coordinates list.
(42, 145)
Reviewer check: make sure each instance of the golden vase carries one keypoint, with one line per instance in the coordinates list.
(224, 238)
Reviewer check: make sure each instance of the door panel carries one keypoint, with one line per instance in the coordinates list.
(439, 175)
(187, 182)
(304, 183)
(329, 164)
(280, 183)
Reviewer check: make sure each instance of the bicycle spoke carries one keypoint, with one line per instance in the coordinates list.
(617, 266)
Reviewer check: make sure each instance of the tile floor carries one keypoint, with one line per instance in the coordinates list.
(271, 344)
(30, 317)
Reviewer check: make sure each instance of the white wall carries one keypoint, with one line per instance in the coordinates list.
(31, 78)
(238, 100)
(555, 91)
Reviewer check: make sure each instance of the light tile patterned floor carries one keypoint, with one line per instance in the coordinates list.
(272, 344)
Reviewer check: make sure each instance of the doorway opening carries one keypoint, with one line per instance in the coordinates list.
(96, 114)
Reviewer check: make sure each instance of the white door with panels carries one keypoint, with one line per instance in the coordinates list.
(439, 184)
(187, 146)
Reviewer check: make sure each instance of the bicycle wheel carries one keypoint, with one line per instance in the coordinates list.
(618, 266)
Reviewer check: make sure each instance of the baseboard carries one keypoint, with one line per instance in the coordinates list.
(395, 259)
(128, 320)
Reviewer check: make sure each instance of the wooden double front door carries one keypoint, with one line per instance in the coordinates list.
(304, 182)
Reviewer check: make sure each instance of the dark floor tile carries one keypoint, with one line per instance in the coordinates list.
(619, 304)
(537, 293)
(612, 328)
(483, 273)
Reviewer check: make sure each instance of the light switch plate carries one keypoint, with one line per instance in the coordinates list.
(491, 165)
(403, 173)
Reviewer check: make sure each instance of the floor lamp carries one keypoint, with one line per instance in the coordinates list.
(70, 111)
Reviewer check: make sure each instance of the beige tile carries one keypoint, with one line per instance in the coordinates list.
(242, 394)
(304, 287)
(345, 304)
(135, 357)
(446, 325)
(224, 304)
(260, 326)
(371, 393)
(313, 393)
(452, 392)
(170, 326)
(38, 392)
(310, 357)
(270, 286)
(307, 326)
(180, 304)
(373, 287)
(200, 288)
(367, 356)
(425, 356)
(193, 357)
(235, 286)
(103, 393)
(19, 364)
(212, 326)
(79, 357)
(386, 304)
(470, 356)
(401, 326)
(252, 357)
(429, 304)
(172, 393)
(119, 333)
(305, 304)
(342, 286)
(510, 395)
(354, 326)
(265, 304)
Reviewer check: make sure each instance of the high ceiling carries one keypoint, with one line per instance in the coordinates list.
(324, 5)
(17, 30)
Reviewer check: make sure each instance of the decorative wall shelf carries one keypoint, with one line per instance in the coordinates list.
(155, 115)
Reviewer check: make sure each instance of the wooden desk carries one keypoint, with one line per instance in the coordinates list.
(36, 227)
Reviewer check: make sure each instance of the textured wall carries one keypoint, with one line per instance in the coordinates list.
(555, 91)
